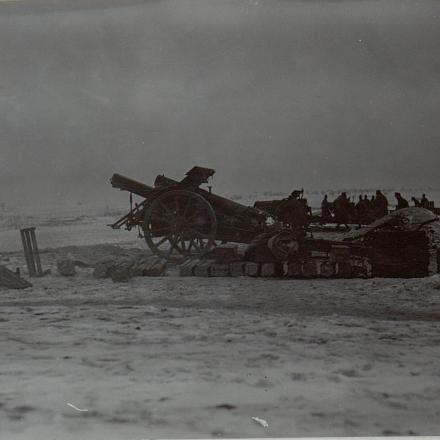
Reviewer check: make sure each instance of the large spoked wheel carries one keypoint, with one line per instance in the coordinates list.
(180, 224)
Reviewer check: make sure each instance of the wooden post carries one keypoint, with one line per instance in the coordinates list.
(31, 253)
(26, 251)
(36, 253)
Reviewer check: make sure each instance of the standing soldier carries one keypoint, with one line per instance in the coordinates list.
(373, 207)
(369, 213)
(361, 211)
(341, 210)
(326, 215)
(424, 202)
(381, 204)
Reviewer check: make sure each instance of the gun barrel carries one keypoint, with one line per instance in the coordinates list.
(131, 185)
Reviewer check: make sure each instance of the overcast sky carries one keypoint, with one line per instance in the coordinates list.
(273, 94)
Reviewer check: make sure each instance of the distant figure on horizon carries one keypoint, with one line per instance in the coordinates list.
(341, 205)
(401, 202)
(369, 205)
(424, 202)
(416, 202)
(326, 215)
(362, 208)
(381, 204)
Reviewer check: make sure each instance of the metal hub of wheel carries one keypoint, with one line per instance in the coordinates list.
(180, 223)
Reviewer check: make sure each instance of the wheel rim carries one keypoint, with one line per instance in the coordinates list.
(180, 224)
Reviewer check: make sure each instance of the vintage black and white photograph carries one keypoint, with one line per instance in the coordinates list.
(219, 219)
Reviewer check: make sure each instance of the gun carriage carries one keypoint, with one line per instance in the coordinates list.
(180, 219)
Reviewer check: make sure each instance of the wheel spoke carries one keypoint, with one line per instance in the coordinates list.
(176, 204)
(160, 231)
(170, 250)
(161, 219)
(163, 240)
(185, 210)
(193, 216)
(198, 233)
(174, 244)
(165, 207)
(195, 244)
(182, 243)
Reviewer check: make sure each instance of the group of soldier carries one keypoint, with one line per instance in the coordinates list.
(343, 211)
(295, 211)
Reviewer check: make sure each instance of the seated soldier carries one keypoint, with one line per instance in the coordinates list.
(401, 202)
(416, 202)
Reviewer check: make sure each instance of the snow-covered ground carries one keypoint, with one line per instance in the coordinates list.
(199, 357)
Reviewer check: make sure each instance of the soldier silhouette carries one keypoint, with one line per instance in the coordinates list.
(326, 215)
(401, 202)
(341, 205)
(381, 207)
(424, 202)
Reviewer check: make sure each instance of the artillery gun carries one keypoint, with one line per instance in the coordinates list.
(180, 219)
